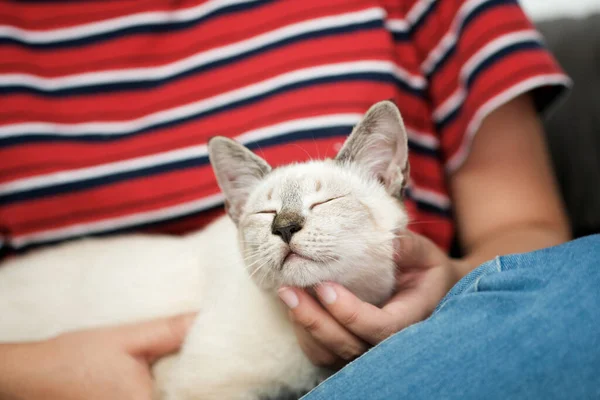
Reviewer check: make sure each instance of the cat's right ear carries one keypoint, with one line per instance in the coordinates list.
(238, 171)
(379, 143)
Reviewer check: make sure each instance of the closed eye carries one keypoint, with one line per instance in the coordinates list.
(325, 201)
(267, 212)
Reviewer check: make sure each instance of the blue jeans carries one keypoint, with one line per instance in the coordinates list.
(523, 326)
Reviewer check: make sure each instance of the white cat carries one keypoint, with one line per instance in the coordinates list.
(298, 225)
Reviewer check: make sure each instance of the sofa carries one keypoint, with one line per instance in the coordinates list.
(573, 127)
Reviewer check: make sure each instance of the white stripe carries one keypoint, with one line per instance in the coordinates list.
(454, 101)
(114, 24)
(117, 223)
(417, 11)
(422, 138)
(450, 38)
(431, 197)
(164, 214)
(494, 47)
(397, 25)
(186, 153)
(460, 156)
(197, 60)
(173, 114)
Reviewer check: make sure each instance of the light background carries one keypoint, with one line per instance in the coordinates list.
(545, 9)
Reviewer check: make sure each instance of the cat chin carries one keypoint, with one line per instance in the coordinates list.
(299, 272)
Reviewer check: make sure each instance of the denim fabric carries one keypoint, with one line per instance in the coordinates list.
(523, 326)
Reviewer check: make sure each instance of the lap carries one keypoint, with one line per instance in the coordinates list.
(520, 326)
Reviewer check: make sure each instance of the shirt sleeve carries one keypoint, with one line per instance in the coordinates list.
(477, 55)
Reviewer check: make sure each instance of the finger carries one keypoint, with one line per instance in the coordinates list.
(157, 338)
(318, 354)
(306, 311)
(416, 251)
(141, 383)
(416, 303)
(364, 320)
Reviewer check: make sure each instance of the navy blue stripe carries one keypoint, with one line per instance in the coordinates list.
(339, 131)
(421, 21)
(527, 45)
(420, 149)
(7, 248)
(150, 84)
(146, 28)
(367, 76)
(474, 14)
(428, 207)
(401, 36)
(405, 36)
(58, 189)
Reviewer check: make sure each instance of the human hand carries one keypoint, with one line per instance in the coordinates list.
(343, 327)
(104, 363)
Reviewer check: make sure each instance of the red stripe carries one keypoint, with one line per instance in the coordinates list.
(143, 194)
(428, 172)
(131, 104)
(478, 34)
(439, 229)
(177, 187)
(39, 15)
(498, 78)
(32, 159)
(185, 225)
(394, 8)
(490, 25)
(434, 27)
(150, 49)
(407, 56)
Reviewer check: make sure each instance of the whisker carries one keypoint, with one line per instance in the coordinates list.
(262, 153)
(248, 266)
(316, 147)
(259, 268)
(425, 222)
(304, 150)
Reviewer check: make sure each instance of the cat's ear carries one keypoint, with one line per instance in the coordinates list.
(238, 171)
(379, 144)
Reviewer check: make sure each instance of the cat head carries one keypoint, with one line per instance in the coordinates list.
(329, 220)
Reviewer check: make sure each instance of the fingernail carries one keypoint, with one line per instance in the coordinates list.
(289, 297)
(327, 293)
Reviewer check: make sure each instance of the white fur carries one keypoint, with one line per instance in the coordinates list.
(241, 345)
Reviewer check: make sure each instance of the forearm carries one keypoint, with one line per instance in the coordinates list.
(514, 239)
(505, 195)
(15, 362)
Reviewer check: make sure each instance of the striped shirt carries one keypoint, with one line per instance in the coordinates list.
(106, 106)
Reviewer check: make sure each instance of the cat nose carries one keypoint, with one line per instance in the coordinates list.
(286, 232)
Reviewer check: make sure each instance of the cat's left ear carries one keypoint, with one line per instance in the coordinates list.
(238, 171)
(379, 144)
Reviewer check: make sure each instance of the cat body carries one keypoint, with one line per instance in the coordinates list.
(297, 225)
(97, 282)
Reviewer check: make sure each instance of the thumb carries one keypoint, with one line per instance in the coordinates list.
(156, 338)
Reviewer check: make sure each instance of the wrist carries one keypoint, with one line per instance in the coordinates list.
(461, 267)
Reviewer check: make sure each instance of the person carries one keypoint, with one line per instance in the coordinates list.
(105, 112)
